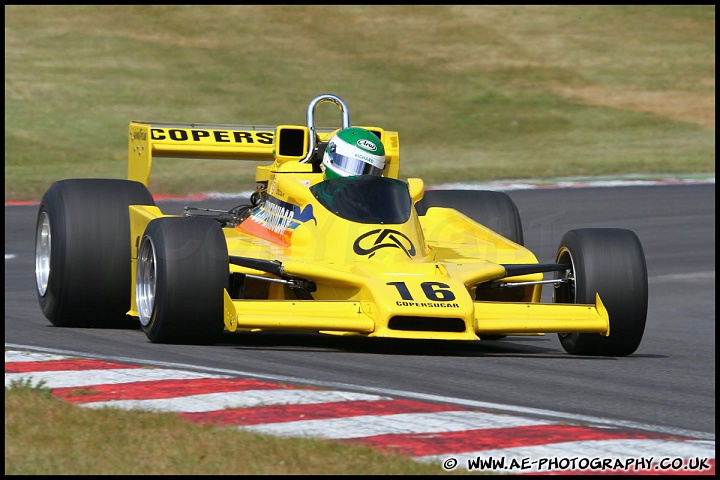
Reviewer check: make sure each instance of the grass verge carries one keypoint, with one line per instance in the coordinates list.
(477, 93)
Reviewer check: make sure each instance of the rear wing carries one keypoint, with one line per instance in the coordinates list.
(275, 144)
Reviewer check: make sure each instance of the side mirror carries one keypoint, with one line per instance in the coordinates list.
(416, 186)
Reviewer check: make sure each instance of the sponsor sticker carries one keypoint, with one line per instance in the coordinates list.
(366, 144)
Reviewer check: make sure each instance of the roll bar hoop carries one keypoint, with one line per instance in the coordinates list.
(325, 98)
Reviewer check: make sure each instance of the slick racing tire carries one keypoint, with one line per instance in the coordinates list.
(495, 210)
(182, 271)
(82, 252)
(611, 262)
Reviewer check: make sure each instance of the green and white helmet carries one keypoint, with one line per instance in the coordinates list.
(353, 151)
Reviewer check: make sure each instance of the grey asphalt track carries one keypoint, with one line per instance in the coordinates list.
(668, 384)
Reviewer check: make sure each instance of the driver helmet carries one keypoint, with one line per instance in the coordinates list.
(353, 151)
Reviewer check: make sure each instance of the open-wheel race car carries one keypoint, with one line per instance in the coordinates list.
(362, 255)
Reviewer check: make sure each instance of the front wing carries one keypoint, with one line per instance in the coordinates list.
(365, 318)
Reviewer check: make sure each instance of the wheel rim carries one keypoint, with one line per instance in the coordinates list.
(42, 253)
(145, 281)
(565, 292)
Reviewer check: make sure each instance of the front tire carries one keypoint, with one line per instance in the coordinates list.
(82, 252)
(182, 271)
(611, 262)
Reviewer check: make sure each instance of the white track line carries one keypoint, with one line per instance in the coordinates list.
(24, 356)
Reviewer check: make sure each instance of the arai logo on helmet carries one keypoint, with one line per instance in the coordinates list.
(366, 144)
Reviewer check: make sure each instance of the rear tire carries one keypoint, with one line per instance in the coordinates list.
(182, 271)
(609, 261)
(82, 252)
(495, 210)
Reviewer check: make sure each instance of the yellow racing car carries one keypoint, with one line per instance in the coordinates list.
(368, 255)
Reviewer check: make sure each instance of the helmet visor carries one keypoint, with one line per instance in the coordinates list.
(354, 166)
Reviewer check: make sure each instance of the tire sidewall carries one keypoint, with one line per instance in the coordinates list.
(192, 271)
(89, 279)
(611, 262)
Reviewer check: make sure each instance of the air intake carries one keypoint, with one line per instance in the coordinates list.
(426, 324)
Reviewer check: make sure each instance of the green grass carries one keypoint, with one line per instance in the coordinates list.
(477, 92)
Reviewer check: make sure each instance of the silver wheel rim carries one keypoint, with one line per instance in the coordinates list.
(42, 253)
(145, 281)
